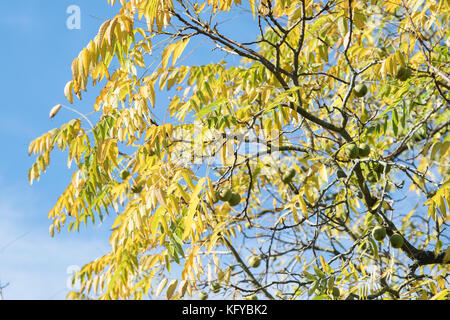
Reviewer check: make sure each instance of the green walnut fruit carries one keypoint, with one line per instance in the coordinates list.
(235, 199)
(203, 295)
(341, 174)
(252, 297)
(215, 287)
(352, 151)
(403, 73)
(225, 194)
(336, 292)
(254, 261)
(288, 175)
(396, 240)
(378, 233)
(248, 225)
(124, 174)
(379, 168)
(364, 150)
(360, 90)
(216, 197)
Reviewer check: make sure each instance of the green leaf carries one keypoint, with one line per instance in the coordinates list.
(313, 288)
(395, 121)
(319, 272)
(171, 288)
(374, 247)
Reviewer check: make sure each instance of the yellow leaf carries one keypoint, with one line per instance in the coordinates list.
(435, 149)
(154, 224)
(324, 264)
(376, 205)
(110, 32)
(102, 31)
(151, 92)
(192, 208)
(75, 69)
(390, 64)
(295, 214)
(252, 5)
(166, 55)
(31, 147)
(386, 205)
(161, 286)
(103, 149)
(68, 91)
(441, 205)
(441, 295)
(323, 173)
(303, 206)
(182, 288)
(342, 25)
(432, 211)
(212, 241)
(359, 19)
(187, 179)
(81, 71)
(179, 47)
(86, 60)
(55, 110)
(400, 57)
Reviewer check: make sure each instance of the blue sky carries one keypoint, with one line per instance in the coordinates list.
(36, 55)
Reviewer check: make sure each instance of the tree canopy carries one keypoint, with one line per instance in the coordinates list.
(315, 166)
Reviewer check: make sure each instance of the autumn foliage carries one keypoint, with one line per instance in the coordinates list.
(334, 122)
